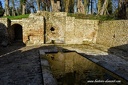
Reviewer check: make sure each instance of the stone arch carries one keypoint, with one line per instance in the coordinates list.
(16, 32)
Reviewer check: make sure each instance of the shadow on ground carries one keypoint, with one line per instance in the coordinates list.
(12, 47)
(119, 50)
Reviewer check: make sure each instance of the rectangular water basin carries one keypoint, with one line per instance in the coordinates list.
(71, 68)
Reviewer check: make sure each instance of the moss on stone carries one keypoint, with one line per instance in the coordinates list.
(91, 17)
(17, 17)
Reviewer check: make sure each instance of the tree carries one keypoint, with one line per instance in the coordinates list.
(55, 5)
(71, 6)
(1, 10)
(45, 4)
(110, 7)
(38, 4)
(7, 8)
(13, 8)
(122, 5)
(30, 6)
(127, 9)
(80, 7)
(66, 5)
(86, 6)
(100, 4)
(23, 5)
(104, 9)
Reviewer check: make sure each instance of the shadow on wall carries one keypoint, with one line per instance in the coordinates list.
(3, 35)
(11, 39)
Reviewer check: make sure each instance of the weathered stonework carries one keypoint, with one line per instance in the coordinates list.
(69, 30)
(113, 33)
(33, 30)
(4, 24)
(57, 27)
(58, 24)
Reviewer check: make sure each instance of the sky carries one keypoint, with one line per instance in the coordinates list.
(2, 1)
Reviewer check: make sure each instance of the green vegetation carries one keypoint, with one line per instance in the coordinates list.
(16, 17)
(92, 17)
(77, 16)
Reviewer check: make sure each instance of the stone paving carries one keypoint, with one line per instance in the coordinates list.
(21, 67)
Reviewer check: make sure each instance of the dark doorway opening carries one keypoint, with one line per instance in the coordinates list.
(18, 33)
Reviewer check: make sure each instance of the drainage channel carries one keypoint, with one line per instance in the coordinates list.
(70, 68)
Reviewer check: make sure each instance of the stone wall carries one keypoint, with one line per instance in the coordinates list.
(57, 23)
(16, 22)
(113, 33)
(80, 31)
(33, 30)
(68, 30)
(4, 24)
(69, 34)
(57, 27)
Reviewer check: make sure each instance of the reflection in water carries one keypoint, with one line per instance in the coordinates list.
(74, 69)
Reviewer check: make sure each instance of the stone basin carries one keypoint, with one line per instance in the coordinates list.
(70, 68)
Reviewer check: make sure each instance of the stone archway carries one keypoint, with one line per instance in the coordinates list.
(16, 32)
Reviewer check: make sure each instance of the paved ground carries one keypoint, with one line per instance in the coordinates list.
(20, 65)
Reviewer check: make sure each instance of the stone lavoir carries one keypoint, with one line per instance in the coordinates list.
(57, 27)
(46, 28)
(62, 67)
(88, 37)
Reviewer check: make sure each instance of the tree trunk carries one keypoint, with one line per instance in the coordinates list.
(71, 6)
(23, 5)
(75, 6)
(55, 6)
(122, 9)
(13, 8)
(127, 9)
(17, 12)
(38, 4)
(7, 8)
(110, 7)
(91, 6)
(100, 3)
(80, 7)
(104, 10)
(66, 5)
(86, 5)
(23, 9)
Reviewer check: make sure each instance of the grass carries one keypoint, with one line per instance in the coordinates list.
(16, 17)
(92, 17)
(77, 16)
